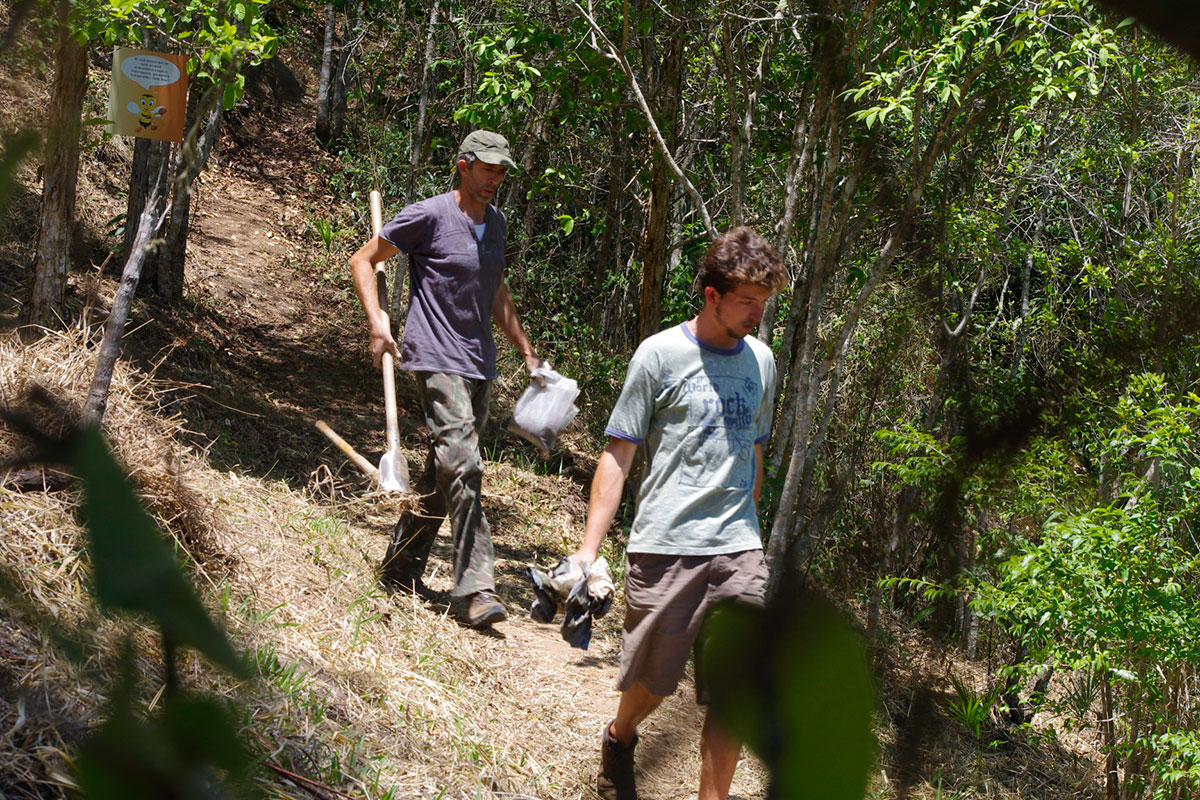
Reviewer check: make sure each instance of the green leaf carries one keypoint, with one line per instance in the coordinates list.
(791, 681)
(16, 148)
(178, 754)
(133, 570)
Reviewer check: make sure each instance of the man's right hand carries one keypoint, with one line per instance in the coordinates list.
(381, 342)
(584, 558)
(366, 286)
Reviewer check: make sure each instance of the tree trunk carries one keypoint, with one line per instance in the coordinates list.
(799, 155)
(171, 257)
(970, 620)
(52, 259)
(149, 222)
(324, 83)
(788, 531)
(895, 542)
(658, 211)
(1108, 732)
(145, 178)
(724, 56)
(110, 346)
(1023, 320)
(341, 76)
(614, 183)
(418, 137)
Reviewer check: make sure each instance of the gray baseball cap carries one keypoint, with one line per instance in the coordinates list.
(488, 147)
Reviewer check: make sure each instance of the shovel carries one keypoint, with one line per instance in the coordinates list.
(393, 468)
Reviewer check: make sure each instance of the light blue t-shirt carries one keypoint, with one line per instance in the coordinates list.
(453, 278)
(699, 411)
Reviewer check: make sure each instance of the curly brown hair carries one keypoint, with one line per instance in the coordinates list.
(741, 256)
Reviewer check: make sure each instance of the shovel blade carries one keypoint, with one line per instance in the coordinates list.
(393, 473)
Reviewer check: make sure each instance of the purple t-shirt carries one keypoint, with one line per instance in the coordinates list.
(453, 279)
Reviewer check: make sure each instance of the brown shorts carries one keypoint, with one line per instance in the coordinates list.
(665, 600)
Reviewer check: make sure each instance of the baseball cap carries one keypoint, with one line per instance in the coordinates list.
(488, 147)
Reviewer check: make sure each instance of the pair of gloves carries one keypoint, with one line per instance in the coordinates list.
(582, 592)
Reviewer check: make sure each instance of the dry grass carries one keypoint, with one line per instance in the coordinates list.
(365, 693)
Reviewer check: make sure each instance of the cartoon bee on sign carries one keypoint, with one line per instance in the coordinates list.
(147, 110)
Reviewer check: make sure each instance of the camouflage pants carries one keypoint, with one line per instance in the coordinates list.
(455, 412)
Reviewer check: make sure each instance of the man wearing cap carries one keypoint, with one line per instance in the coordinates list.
(455, 243)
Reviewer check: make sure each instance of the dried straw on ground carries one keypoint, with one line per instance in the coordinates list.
(361, 692)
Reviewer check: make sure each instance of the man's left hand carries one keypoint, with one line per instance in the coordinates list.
(532, 363)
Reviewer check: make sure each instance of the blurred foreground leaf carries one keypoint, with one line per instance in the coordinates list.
(169, 755)
(133, 568)
(189, 748)
(791, 681)
(16, 147)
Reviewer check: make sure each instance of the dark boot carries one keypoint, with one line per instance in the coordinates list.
(481, 609)
(616, 781)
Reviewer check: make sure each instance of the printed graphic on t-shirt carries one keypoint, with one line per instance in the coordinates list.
(719, 447)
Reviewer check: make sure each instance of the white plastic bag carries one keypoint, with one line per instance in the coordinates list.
(543, 411)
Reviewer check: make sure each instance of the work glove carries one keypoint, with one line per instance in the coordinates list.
(582, 592)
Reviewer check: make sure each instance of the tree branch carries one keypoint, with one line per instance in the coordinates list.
(660, 143)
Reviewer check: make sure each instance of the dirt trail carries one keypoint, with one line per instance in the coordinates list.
(290, 349)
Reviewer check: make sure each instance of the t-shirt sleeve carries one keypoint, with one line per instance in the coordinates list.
(766, 409)
(630, 417)
(409, 230)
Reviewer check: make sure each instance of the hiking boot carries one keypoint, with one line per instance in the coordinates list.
(482, 609)
(395, 580)
(615, 781)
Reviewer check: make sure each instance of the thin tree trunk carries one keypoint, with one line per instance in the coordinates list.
(533, 139)
(467, 58)
(968, 619)
(734, 110)
(1023, 320)
(788, 530)
(172, 255)
(807, 374)
(1108, 732)
(798, 158)
(341, 75)
(663, 148)
(418, 138)
(324, 83)
(172, 154)
(894, 543)
(52, 258)
(615, 181)
(110, 346)
(656, 228)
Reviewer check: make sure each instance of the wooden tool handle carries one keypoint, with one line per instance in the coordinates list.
(389, 372)
(366, 466)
